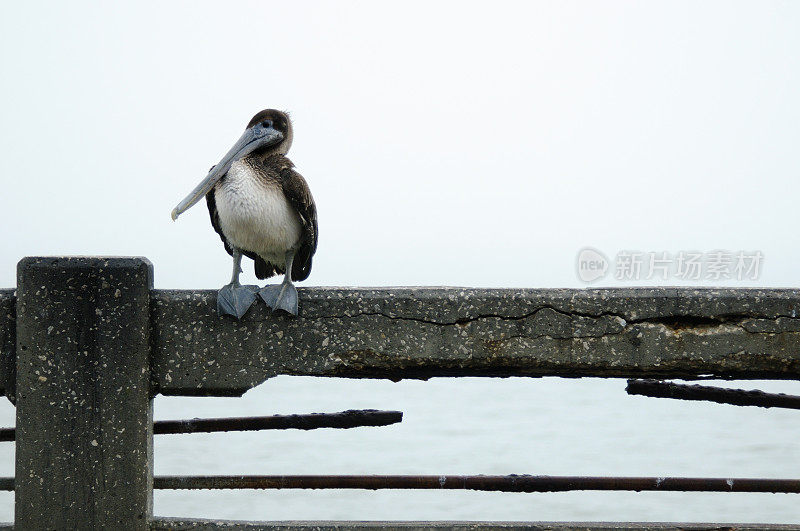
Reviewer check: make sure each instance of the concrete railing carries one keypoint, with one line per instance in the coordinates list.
(87, 342)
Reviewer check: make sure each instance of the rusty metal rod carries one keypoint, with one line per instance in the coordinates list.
(353, 418)
(346, 419)
(737, 397)
(512, 483)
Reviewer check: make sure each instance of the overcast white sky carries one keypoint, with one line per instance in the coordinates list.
(445, 143)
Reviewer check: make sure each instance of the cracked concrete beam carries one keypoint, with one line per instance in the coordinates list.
(398, 333)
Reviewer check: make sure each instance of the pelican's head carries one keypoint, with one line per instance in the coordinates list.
(269, 131)
(270, 119)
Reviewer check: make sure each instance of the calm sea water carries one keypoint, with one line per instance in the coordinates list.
(479, 426)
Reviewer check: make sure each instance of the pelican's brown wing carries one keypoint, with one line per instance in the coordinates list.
(299, 196)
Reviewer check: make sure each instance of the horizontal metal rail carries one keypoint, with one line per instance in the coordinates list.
(512, 483)
(353, 418)
(736, 397)
(161, 523)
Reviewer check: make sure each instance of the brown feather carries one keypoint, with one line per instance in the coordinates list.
(299, 196)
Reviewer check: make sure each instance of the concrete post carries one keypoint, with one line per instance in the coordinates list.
(84, 408)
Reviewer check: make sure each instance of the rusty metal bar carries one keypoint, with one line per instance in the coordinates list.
(512, 483)
(736, 397)
(160, 523)
(352, 418)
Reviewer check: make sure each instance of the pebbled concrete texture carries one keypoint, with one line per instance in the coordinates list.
(397, 333)
(84, 435)
(8, 342)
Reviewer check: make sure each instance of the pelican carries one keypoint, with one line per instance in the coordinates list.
(263, 209)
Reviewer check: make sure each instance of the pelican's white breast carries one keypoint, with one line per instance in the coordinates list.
(254, 214)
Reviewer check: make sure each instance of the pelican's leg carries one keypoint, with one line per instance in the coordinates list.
(282, 296)
(235, 299)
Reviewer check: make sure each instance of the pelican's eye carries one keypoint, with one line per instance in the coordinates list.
(266, 124)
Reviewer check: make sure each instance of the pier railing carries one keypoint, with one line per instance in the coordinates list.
(86, 343)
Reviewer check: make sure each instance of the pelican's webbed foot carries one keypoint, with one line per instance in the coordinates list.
(235, 300)
(281, 296)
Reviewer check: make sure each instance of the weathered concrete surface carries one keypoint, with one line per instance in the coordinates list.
(8, 342)
(84, 410)
(182, 524)
(400, 333)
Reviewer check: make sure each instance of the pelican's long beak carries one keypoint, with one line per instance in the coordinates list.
(253, 138)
